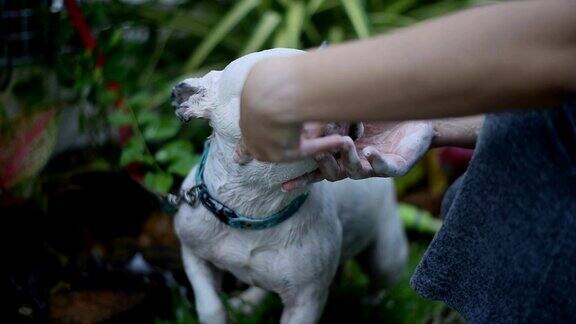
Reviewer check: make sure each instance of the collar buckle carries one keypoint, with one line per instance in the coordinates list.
(191, 195)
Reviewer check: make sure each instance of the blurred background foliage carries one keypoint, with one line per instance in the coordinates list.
(110, 105)
(149, 45)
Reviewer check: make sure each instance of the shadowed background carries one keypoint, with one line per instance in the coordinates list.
(87, 135)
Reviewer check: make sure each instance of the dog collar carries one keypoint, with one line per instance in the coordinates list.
(199, 193)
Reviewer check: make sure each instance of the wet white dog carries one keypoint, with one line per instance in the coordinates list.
(295, 257)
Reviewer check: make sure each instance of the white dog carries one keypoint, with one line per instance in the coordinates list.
(237, 218)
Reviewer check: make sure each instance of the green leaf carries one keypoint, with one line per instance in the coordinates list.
(262, 32)
(354, 275)
(158, 181)
(294, 24)
(355, 11)
(418, 219)
(312, 33)
(174, 150)
(232, 18)
(335, 35)
(106, 97)
(405, 182)
(313, 6)
(119, 118)
(183, 165)
(139, 100)
(400, 6)
(280, 38)
(134, 151)
(393, 20)
(437, 9)
(161, 129)
(146, 117)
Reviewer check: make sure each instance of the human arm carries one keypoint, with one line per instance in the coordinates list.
(391, 149)
(518, 54)
(459, 131)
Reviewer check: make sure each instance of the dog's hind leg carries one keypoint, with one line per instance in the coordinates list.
(205, 281)
(305, 307)
(248, 299)
(390, 250)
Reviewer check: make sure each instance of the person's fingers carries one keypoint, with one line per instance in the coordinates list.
(312, 130)
(351, 161)
(341, 128)
(386, 164)
(311, 147)
(303, 181)
(241, 155)
(329, 167)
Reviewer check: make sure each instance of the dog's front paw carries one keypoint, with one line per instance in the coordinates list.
(241, 306)
(215, 316)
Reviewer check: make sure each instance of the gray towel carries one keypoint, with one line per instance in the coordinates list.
(507, 250)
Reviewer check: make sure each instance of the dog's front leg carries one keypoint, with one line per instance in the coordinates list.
(305, 307)
(205, 281)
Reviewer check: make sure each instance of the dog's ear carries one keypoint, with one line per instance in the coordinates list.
(192, 98)
(189, 99)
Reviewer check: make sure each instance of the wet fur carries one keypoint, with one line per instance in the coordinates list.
(296, 259)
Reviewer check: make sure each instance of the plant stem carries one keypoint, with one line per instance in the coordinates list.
(138, 132)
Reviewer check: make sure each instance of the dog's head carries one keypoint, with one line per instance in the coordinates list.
(216, 97)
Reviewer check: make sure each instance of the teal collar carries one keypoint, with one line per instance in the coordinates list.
(228, 216)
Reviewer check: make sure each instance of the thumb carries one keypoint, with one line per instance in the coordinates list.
(302, 181)
(386, 164)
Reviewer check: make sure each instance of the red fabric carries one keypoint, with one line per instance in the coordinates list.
(456, 159)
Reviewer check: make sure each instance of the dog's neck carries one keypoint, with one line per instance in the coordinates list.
(247, 194)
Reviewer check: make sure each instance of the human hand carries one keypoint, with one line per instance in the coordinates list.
(386, 149)
(268, 134)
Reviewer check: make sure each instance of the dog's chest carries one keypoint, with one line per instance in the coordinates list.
(285, 255)
(250, 260)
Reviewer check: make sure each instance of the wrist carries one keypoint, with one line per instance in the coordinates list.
(271, 91)
(461, 131)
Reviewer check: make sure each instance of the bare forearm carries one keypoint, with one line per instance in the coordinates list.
(460, 131)
(511, 55)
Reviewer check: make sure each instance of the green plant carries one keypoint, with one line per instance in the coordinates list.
(197, 36)
(145, 48)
